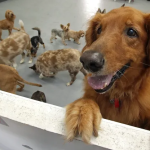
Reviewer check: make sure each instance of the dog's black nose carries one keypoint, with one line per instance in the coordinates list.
(92, 60)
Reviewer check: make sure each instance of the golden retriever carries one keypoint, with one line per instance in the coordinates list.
(117, 57)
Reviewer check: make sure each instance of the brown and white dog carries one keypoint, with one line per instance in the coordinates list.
(15, 45)
(76, 35)
(8, 23)
(51, 62)
(10, 79)
(61, 33)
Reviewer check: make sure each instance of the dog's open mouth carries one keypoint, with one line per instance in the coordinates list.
(103, 83)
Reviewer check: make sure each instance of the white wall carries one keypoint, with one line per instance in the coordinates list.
(41, 127)
(13, 136)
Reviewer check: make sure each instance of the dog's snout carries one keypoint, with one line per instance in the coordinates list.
(92, 61)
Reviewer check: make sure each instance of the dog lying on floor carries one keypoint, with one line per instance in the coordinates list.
(35, 40)
(51, 62)
(61, 33)
(8, 23)
(76, 35)
(10, 79)
(117, 86)
(15, 45)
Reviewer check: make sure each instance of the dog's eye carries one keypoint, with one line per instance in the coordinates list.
(99, 30)
(131, 32)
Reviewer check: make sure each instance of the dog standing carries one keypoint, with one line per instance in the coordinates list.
(76, 35)
(15, 45)
(8, 23)
(35, 40)
(61, 33)
(51, 62)
(10, 79)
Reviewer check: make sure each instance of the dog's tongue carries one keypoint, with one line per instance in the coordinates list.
(99, 82)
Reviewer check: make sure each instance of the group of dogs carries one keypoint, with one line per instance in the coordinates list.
(116, 59)
(47, 64)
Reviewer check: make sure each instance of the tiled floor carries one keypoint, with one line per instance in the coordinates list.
(48, 14)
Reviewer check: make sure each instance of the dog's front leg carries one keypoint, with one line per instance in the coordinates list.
(30, 60)
(9, 31)
(23, 57)
(63, 41)
(82, 118)
(77, 41)
(1, 35)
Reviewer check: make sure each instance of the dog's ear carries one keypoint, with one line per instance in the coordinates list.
(104, 11)
(6, 14)
(68, 24)
(91, 35)
(148, 41)
(62, 26)
(123, 5)
(98, 11)
(33, 67)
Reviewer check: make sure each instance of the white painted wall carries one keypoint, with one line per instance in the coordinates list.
(41, 127)
(15, 135)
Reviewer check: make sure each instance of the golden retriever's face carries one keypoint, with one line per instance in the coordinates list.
(65, 28)
(116, 41)
(10, 15)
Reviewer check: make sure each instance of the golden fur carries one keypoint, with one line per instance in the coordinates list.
(8, 23)
(10, 79)
(133, 88)
(15, 45)
(75, 35)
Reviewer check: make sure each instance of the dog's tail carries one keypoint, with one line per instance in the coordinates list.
(38, 29)
(18, 78)
(21, 25)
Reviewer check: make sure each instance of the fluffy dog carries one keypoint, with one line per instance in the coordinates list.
(117, 86)
(75, 35)
(8, 23)
(10, 79)
(61, 33)
(15, 45)
(35, 40)
(39, 96)
(50, 62)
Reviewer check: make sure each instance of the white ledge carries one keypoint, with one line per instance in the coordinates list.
(50, 118)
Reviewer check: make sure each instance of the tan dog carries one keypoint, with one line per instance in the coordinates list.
(75, 35)
(118, 84)
(61, 33)
(15, 45)
(8, 23)
(10, 79)
(51, 62)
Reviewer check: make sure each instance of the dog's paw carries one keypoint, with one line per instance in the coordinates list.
(41, 76)
(65, 44)
(68, 84)
(19, 89)
(22, 61)
(79, 43)
(30, 61)
(55, 38)
(83, 118)
(51, 41)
